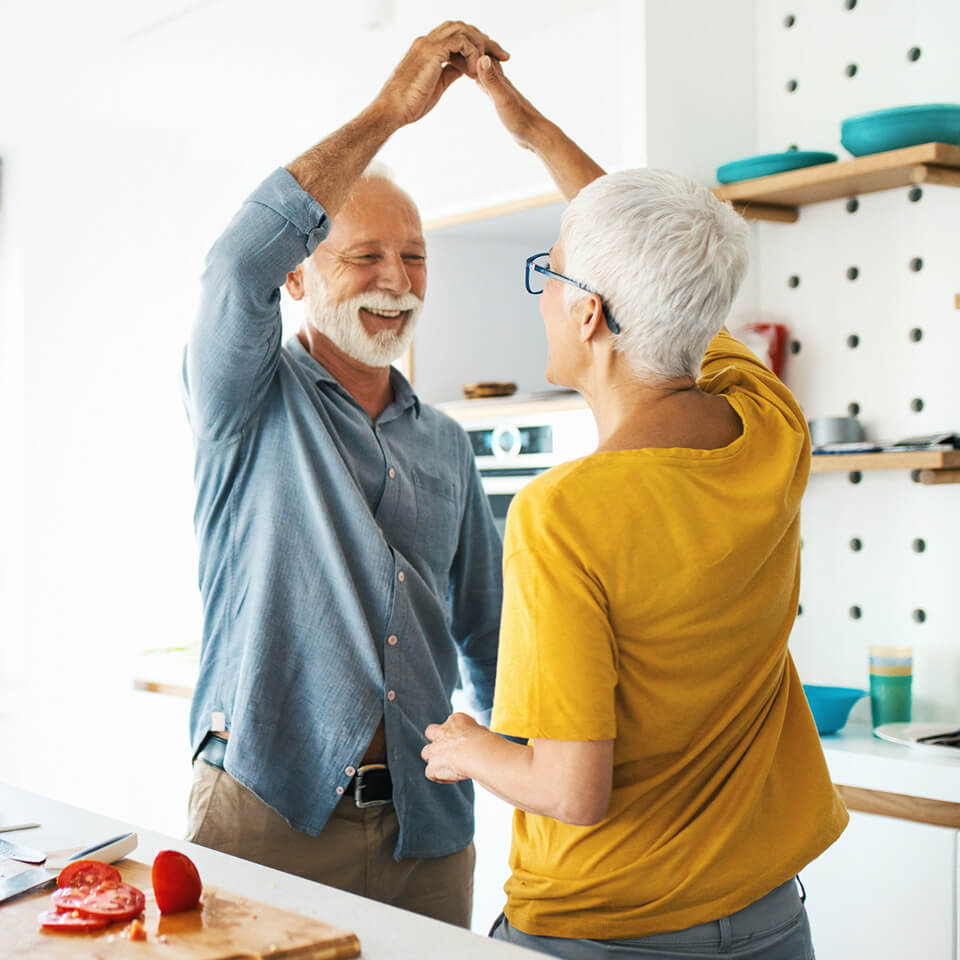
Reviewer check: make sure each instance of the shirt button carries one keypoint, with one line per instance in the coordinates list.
(401, 576)
(391, 695)
(350, 771)
(393, 640)
(339, 791)
(391, 473)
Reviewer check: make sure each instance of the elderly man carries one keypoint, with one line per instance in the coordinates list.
(348, 558)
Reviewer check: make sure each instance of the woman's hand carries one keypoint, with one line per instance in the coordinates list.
(448, 748)
(516, 113)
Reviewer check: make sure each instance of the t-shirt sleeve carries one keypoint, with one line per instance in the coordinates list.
(557, 664)
(730, 365)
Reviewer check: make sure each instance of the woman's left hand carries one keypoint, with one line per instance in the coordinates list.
(446, 752)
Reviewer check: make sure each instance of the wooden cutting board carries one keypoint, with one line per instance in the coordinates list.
(225, 926)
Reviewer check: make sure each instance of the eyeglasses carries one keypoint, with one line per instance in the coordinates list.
(539, 263)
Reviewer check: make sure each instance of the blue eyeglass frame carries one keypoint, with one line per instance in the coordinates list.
(532, 265)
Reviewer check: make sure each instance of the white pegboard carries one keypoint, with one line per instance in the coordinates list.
(887, 370)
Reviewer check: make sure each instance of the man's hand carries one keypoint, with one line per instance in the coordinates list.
(431, 65)
(449, 743)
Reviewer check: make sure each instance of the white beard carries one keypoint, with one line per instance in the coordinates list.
(341, 322)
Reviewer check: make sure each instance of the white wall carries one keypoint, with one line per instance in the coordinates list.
(886, 579)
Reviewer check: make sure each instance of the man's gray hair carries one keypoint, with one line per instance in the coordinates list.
(666, 256)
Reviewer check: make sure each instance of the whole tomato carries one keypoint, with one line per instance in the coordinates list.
(176, 882)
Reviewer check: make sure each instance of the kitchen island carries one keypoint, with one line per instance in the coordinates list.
(384, 931)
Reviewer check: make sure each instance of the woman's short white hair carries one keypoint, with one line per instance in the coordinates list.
(666, 256)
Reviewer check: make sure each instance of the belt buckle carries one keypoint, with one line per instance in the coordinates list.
(360, 785)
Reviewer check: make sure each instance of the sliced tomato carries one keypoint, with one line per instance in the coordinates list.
(88, 873)
(110, 901)
(74, 920)
(176, 882)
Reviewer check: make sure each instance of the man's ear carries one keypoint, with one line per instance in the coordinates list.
(294, 283)
(589, 315)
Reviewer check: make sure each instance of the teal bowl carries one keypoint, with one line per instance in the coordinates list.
(899, 127)
(831, 706)
(769, 163)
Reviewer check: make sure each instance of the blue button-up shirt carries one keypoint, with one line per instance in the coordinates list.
(349, 569)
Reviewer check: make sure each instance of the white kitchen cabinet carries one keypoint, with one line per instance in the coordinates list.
(886, 889)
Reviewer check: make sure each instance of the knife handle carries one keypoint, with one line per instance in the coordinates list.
(110, 851)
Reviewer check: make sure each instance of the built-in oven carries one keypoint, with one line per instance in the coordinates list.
(513, 447)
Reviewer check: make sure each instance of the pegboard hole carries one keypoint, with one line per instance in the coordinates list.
(919, 545)
(853, 341)
(916, 264)
(853, 205)
(919, 616)
(851, 70)
(916, 404)
(853, 408)
(915, 194)
(792, 147)
(913, 54)
(853, 273)
(916, 334)
(850, 4)
(854, 476)
(856, 544)
(789, 20)
(793, 282)
(915, 476)
(795, 346)
(799, 609)
(791, 85)
(855, 613)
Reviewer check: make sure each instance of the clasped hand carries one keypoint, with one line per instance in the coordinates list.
(435, 61)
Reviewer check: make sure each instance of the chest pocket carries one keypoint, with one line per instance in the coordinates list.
(438, 522)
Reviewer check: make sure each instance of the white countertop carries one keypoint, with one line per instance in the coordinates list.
(384, 932)
(856, 758)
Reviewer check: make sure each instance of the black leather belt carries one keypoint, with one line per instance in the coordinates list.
(371, 787)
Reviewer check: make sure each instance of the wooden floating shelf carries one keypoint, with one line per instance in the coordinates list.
(492, 212)
(779, 197)
(935, 466)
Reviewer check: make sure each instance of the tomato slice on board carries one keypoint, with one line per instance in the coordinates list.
(109, 901)
(176, 882)
(74, 920)
(88, 873)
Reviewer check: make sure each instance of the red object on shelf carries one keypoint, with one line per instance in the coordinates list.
(775, 336)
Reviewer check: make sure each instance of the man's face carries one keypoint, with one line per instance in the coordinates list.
(364, 285)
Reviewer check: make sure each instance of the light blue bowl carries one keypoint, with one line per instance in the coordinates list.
(899, 127)
(769, 163)
(831, 706)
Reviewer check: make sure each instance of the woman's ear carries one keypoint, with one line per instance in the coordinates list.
(294, 283)
(589, 315)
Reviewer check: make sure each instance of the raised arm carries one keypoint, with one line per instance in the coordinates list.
(234, 348)
(328, 170)
(570, 167)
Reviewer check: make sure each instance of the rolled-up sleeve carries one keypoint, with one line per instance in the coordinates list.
(234, 347)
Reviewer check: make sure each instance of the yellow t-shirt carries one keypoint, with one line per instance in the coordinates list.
(648, 598)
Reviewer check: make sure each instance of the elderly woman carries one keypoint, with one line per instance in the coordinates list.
(673, 783)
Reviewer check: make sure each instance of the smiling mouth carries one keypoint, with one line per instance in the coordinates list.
(386, 314)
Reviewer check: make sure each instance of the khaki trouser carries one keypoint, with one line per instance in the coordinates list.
(354, 852)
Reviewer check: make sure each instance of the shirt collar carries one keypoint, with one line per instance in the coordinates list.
(404, 396)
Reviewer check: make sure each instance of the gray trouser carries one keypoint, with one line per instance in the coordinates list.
(774, 927)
